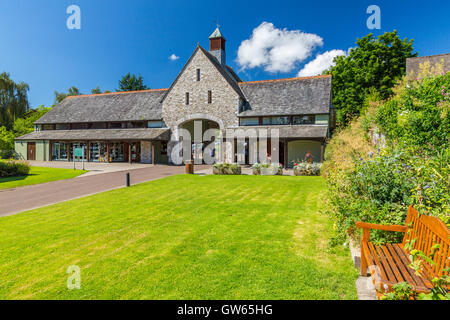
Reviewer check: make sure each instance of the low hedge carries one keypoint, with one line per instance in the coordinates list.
(13, 169)
(227, 169)
(267, 169)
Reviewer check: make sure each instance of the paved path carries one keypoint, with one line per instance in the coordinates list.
(17, 200)
(93, 167)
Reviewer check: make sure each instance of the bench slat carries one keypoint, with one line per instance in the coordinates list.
(403, 256)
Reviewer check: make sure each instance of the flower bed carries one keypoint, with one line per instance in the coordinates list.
(267, 169)
(227, 169)
(307, 169)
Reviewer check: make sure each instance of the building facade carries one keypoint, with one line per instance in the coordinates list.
(147, 126)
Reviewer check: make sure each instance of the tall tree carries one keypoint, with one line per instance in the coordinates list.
(60, 96)
(96, 90)
(13, 100)
(375, 63)
(131, 83)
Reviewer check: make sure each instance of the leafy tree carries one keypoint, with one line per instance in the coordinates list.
(96, 90)
(60, 96)
(6, 142)
(131, 83)
(26, 125)
(375, 63)
(13, 100)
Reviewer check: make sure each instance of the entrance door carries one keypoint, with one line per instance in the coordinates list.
(136, 152)
(31, 151)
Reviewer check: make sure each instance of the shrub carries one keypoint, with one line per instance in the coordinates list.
(307, 169)
(267, 169)
(13, 169)
(226, 169)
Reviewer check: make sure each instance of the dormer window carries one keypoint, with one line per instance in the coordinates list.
(198, 74)
(187, 98)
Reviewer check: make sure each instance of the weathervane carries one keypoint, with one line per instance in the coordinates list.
(216, 22)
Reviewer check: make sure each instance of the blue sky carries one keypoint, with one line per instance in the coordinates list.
(138, 36)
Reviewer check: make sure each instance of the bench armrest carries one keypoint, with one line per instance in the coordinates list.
(396, 228)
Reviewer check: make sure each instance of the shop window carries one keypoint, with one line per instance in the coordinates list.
(284, 120)
(59, 151)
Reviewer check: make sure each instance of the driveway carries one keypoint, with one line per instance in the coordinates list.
(93, 167)
(21, 199)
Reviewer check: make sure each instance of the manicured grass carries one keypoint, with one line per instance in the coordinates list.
(39, 175)
(183, 237)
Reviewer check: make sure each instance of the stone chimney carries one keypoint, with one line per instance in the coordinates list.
(217, 46)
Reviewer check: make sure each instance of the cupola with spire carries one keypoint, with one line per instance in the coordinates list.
(217, 46)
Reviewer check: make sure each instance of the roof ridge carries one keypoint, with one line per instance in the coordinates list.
(111, 93)
(433, 55)
(288, 79)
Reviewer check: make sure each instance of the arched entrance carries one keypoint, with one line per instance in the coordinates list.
(202, 131)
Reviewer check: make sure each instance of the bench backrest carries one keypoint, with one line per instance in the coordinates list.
(429, 231)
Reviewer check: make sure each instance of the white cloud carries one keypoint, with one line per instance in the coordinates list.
(321, 63)
(173, 57)
(277, 50)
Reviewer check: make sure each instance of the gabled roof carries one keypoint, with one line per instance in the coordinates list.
(310, 95)
(118, 106)
(226, 74)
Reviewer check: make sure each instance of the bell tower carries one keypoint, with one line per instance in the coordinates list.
(217, 46)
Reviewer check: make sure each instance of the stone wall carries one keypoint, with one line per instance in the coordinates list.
(146, 152)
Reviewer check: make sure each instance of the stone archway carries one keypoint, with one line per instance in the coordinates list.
(196, 116)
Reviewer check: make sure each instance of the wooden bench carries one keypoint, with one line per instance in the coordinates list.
(389, 264)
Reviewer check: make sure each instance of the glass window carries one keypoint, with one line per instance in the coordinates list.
(47, 127)
(276, 120)
(62, 126)
(78, 126)
(250, 121)
(310, 119)
(59, 151)
(155, 124)
(78, 145)
(98, 152)
(97, 125)
(116, 125)
(116, 152)
(133, 125)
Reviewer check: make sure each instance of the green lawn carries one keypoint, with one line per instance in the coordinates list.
(39, 175)
(182, 237)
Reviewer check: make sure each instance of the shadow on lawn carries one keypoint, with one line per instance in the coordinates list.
(9, 179)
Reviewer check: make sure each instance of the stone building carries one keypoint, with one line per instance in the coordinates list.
(150, 126)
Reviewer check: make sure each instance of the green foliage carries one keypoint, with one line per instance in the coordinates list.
(302, 168)
(131, 83)
(227, 168)
(60, 96)
(21, 126)
(418, 115)
(96, 90)
(378, 187)
(375, 63)
(13, 100)
(13, 169)
(274, 168)
(401, 291)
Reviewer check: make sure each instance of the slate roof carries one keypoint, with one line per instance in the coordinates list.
(310, 95)
(119, 106)
(413, 64)
(296, 131)
(99, 134)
